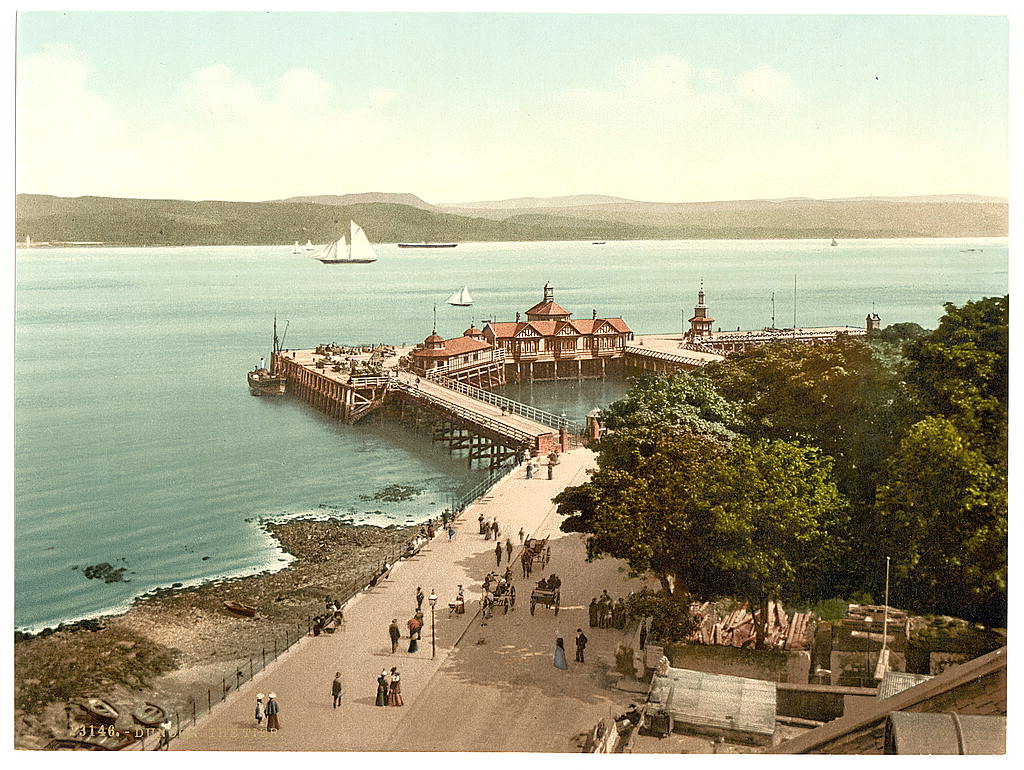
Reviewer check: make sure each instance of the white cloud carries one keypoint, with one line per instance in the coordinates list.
(766, 85)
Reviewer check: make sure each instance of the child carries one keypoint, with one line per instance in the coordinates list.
(259, 709)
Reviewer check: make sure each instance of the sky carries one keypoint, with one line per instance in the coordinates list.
(460, 107)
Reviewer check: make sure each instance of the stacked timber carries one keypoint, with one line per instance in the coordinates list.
(735, 627)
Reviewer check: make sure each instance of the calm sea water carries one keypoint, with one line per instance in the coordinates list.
(137, 442)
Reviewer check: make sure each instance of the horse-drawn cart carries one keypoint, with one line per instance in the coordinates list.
(538, 550)
(505, 599)
(549, 597)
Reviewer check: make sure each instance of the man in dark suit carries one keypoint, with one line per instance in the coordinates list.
(581, 645)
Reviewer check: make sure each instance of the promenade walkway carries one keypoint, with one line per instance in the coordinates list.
(460, 699)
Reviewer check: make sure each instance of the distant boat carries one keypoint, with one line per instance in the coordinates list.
(359, 250)
(296, 249)
(598, 243)
(425, 245)
(834, 243)
(460, 298)
(309, 245)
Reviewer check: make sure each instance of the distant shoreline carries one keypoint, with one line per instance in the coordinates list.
(20, 245)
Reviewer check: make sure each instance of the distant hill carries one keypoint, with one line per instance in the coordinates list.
(130, 221)
(405, 199)
(560, 201)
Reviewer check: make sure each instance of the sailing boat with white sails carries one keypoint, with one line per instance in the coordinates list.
(460, 298)
(296, 249)
(309, 245)
(359, 249)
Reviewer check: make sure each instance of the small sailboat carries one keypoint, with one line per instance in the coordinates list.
(296, 249)
(834, 243)
(309, 245)
(461, 298)
(359, 249)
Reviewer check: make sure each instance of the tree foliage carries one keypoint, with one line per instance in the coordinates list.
(943, 509)
(682, 400)
(709, 518)
(961, 371)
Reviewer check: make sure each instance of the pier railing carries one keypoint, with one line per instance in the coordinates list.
(462, 501)
(509, 405)
(496, 426)
(497, 356)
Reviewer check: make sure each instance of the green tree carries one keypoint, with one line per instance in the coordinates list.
(776, 515)
(943, 508)
(682, 399)
(961, 371)
(707, 517)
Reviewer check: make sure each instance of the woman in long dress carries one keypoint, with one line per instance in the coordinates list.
(395, 695)
(560, 654)
(272, 709)
(382, 689)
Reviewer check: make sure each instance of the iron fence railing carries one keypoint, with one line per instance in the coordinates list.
(520, 437)
(508, 404)
(285, 637)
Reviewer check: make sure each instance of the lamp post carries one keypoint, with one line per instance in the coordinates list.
(433, 639)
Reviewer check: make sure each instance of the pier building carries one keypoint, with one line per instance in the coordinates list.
(548, 345)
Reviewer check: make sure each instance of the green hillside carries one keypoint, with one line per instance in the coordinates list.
(128, 221)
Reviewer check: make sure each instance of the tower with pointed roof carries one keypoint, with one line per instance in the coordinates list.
(700, 324)
(547, 309)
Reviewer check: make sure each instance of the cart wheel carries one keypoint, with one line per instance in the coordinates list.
(533, 606)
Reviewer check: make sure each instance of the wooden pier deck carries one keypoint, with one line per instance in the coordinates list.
(505, 427)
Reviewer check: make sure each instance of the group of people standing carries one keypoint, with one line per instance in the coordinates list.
(489, 529)
(581, 649)
(605, 613)
(270, 710)
(389, 688)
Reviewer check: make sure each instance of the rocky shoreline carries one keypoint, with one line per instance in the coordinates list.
(173, 645)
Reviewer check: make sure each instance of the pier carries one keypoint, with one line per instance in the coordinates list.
(442, 385)
(489, 428)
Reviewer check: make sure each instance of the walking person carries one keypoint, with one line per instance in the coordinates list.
(581, 646)
(395, 692)
(165, 736)
(497, 553)
(508, 549)
(483, 527)
(594, 611)
(451, 533)
(560, 661)
(382, 688)
(273, 720)
(419, 598)
(259, 709)
(529, 470)
(414, 633)
(336, 689)
(551, 471)
(521, 536)
(395, 634)
(495, 529)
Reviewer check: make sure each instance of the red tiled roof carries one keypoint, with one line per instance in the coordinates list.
(510, 329)
(453, 347)
(548, 308)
